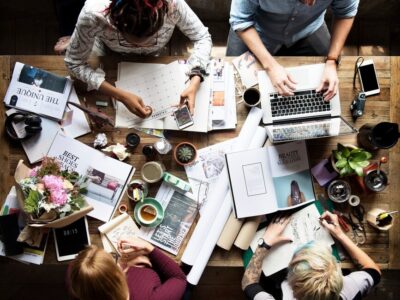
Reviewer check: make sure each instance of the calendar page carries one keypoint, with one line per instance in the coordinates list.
(160, 89)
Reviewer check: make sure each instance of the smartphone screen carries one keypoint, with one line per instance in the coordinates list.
(368, 77)
(183, 117)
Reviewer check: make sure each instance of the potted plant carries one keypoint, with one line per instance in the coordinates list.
(349, 159)
(185, 153)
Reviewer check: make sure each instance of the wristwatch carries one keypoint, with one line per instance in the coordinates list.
(336, 59)
(262, 243)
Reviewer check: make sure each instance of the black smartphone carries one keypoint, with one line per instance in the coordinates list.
(368, 79)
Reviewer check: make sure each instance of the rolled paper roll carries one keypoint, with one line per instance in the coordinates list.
(247, 232)
(354, 200)
(230, 232)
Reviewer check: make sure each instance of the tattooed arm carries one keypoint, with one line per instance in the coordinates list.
(253, 271)
(272, 236)
(360, 259)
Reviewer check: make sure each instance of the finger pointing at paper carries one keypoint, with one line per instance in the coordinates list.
(189, 94)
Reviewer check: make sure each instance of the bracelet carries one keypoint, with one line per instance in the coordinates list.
(197, 71)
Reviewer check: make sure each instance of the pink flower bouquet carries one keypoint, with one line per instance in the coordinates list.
(51, 193)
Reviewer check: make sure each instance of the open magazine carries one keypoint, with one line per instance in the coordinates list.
(179, 213)
(106, 176)
(35, 90)
(269, 179)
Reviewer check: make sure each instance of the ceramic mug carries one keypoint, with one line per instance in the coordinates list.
(152, 171)
(251, 97)
(137, 190)
(147, 214)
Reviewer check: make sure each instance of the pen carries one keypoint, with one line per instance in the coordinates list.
(328, 221)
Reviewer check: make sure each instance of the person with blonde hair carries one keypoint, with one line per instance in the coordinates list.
(313, 272)
(142, 272)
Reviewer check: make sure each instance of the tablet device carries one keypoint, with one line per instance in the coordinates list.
(71, 239)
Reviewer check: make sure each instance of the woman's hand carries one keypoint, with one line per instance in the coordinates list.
(281, 80)
(135, 105)
(331, 222)
(330, 80)
(274, 233)
(133, 248)
(189, 94)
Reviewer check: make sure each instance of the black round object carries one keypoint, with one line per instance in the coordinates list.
(132, 140)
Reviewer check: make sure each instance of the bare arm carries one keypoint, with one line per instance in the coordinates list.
(272, 236)
(253, 270)
(281, 80)
(359, 257)
(330, 80)
(132, 102)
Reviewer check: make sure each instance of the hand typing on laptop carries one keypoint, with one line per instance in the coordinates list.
(330, 81)
(281, 80)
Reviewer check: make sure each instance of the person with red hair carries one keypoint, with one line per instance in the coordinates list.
(139, 27)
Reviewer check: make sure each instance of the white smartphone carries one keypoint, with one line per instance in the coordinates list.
(368, 78)
(183, 117)
(71, 239)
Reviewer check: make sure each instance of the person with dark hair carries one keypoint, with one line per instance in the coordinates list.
(140, 27)
(291, 27)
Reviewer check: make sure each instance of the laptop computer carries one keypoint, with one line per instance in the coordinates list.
(305, 115)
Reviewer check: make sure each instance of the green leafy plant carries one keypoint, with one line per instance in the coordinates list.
(350, 161)
(185, 153)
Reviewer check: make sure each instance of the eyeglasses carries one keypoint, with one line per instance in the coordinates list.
(151, 42)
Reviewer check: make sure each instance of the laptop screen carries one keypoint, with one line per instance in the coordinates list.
(309, 129)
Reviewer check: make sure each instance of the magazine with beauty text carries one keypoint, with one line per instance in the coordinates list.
(38, 91)
(269, 179)
(106, 177)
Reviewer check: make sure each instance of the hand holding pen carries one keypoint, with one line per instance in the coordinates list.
(331, 222)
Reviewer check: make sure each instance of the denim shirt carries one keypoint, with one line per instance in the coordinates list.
(284, 22)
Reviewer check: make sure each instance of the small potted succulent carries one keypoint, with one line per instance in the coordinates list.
(185, 153)
(348, 160)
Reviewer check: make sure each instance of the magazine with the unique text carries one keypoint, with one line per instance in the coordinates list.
(179, 213)
(269, 179)
(38, 91)
(106, 177)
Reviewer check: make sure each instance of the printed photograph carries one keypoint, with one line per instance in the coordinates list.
(294, 189)
(42, 79)
(103, 187)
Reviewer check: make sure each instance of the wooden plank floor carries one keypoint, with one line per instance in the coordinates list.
(30, 27)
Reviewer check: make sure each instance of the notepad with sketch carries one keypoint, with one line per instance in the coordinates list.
(121, 227)
(269, 179)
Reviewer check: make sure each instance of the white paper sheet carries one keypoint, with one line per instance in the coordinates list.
(211, 236)
(304, 227)
(215, 201)
(159, 89)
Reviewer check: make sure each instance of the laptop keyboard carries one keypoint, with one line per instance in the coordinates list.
(301, 132)
(302, 102)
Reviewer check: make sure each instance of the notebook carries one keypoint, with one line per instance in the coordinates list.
(305, 115)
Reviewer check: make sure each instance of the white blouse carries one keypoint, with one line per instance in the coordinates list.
(94, 30)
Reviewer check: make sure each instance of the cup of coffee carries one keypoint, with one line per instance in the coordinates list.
(251, 97)
(152, 171)
(147, 214)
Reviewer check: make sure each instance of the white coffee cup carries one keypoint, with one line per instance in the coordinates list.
(147, 214)
(251, 97)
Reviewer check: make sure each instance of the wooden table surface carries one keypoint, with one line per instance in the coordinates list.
(381, 246)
